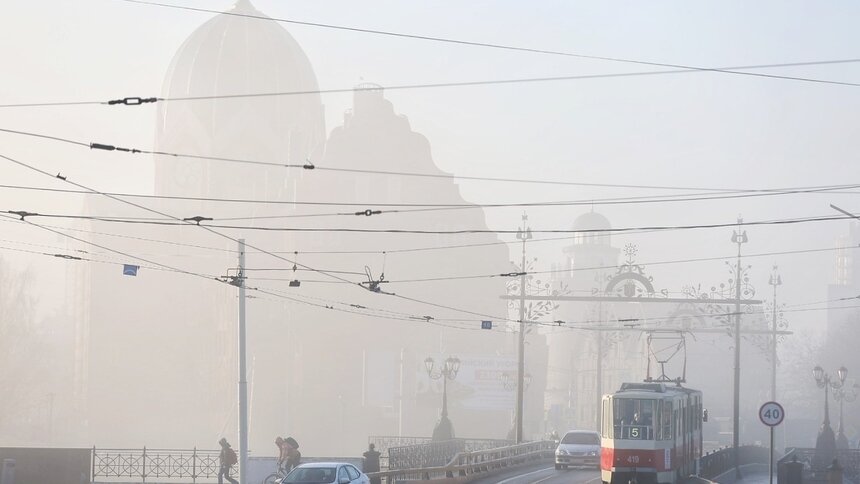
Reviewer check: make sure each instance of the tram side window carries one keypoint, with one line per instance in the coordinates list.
(633, 418)
(666, 420)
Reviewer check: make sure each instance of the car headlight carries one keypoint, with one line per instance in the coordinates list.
(560, 452)
(593, 453)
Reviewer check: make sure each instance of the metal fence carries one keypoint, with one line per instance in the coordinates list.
(473, 462)
(431, 454)
(413, 452)
(722, 460)
(815, 469)
(150, 464)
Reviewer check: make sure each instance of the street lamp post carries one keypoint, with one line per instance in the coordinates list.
(846, 393)
(509, 382)
(825, 444)
(523, 234)
(738, 237)
(775, 281)
(444, 429)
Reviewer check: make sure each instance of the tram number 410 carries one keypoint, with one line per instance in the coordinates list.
(632, 459)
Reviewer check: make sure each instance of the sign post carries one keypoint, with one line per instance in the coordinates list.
(771, 414)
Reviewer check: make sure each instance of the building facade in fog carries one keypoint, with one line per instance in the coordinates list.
(329, 362)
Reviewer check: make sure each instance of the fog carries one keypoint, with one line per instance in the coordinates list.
(619, 179)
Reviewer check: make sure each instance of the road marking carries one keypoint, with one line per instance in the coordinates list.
(544, 479)
(512, 479)
(594, 480)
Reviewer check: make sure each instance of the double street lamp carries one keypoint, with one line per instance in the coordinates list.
(444, 429)
(825, 444)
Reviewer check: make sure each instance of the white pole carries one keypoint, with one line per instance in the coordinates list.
(243, 382)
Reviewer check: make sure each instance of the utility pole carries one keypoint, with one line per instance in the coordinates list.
(775, 281)
(597, 411)
(738, 238)
(243, 382)
(523, 234)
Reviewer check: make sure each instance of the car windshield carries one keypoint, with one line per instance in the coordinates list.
(581, 438)
(311, 475)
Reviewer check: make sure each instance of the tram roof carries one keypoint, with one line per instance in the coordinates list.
(653, 387)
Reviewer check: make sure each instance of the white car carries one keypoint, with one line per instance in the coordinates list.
(326, 473)
(578, 448)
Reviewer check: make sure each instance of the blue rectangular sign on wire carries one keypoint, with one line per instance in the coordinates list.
(486, 325)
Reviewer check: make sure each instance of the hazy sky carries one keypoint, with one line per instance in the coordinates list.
(689, 130)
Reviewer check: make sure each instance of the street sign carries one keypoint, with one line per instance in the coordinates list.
(771, 414)
(486, 325)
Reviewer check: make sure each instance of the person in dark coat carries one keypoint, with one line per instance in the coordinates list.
(294, 457)
(226, 460)
(371, 463)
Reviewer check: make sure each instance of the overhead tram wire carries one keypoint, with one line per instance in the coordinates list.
(136, 101)
(160, 266)
(824, 190)
(222, 235)
(361, 252)
(178, 222)
(450, 277)
(309, 166)
(490, 45)
(431, 320)
(594, 268)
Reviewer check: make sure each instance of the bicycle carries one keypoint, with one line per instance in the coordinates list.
(275, 477)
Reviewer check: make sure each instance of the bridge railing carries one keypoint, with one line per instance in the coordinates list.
(146, 464)
(472, 462)
(722, 460)
(815, 469)
(410, 452)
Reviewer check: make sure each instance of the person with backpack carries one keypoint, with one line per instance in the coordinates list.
(227, 459)
(294, 457)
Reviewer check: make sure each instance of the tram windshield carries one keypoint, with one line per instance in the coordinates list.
(634, 418)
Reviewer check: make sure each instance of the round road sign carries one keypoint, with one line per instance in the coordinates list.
(771, 414)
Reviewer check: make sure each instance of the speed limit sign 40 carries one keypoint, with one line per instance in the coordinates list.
(771, 414)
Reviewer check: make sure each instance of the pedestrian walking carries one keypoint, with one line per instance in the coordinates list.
(227, 459)
(294, 457)
(371, 463)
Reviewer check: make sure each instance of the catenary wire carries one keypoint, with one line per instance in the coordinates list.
(481, 44)
(185, 222)
(215, 232)
(309, 166)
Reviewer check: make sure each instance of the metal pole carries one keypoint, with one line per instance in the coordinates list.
(243, 382)
(444, 395)
(522, 345)
(739, 238)
(773, 351)
(599, 367)
(400, 396)
(771, 454)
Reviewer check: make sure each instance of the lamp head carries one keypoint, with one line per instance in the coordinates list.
(842, 372)
(428, 364)
(818, 374)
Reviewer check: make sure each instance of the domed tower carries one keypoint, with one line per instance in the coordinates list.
(230, 55)
(177, 348)
(592, 248)
(573, 379)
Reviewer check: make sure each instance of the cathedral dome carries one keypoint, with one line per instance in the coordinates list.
(228, 55)
(594, 227)
(591, 221)
(232, 54)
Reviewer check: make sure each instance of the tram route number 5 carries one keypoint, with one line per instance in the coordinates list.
(771, 414)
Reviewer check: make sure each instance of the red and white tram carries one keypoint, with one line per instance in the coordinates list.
(651, 433)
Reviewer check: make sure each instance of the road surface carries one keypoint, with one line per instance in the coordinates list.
(544, 473)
